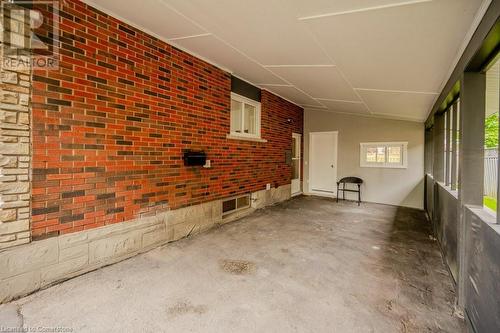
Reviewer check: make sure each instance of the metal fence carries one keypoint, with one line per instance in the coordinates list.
(490, 172)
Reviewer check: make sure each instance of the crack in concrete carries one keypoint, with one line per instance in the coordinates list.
(20, 315)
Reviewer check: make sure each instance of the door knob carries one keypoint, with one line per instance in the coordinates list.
(331, 165)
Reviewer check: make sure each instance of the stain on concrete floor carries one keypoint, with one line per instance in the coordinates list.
(238, 267)
(184, 308)
(316, 266)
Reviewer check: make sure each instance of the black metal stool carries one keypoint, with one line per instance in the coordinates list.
(349, 180)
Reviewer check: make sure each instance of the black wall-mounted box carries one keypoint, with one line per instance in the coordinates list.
(193, 158)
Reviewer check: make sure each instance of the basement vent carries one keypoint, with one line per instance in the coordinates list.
(235, 204)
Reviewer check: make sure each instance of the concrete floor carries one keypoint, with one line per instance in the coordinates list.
(307, 265)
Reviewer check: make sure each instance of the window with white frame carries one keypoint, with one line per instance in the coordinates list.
(245, 117)
(384, 154)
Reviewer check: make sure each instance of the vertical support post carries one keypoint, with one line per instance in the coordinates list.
(447, 147)
(472, 114)
(454, 139)
(438, 166)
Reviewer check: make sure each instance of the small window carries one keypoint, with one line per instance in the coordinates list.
(234, 204)
(245, 117)
(384, 154)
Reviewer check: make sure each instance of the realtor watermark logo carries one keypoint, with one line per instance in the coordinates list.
(30, 34)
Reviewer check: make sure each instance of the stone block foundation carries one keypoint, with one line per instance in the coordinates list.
(40, 264)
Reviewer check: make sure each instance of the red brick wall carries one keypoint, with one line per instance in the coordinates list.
(111, 124)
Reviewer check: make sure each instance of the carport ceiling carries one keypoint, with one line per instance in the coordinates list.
(387, 58)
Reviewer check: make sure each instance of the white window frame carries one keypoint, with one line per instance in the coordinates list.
(365, 164)
(257, 106)
(237, 208)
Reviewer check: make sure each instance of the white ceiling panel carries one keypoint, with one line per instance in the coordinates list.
(293, 94)
(406, 48)
(152, 15)
(320, 52)
(405, 105)
(319, 82)
(266, 31)
(346, 107)
(216, 51)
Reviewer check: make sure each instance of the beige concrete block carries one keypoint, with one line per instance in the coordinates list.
(15, 129)
(17, 242)
(24, 84)
(14, 133)
(72, 240)
(9, 197)
(73, 252)
(15, 204)
(8, 161)
(7, 238)
(8, 116)
(63, 270)
(14, 227)
(114, 247)
(258, 199)
(15, 171)
(12, 188)
(185, 229)
(159, 235)
(7, 215)
(9, 97)
(23, 210)
(9, 77)
(25, 234)
(20, 285)
(14, 107)
(14, 149)
(23, 178)
(177, 216)
(120, 228)
(9, 139)
(23, 216)
(28, 258)
(23, 118)
(25, 197)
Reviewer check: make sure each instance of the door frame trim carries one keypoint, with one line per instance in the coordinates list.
(301, 190)
(309, 189)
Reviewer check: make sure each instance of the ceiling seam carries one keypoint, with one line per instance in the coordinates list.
(191, 36)
(398, 91)
(300, 66)
(339, 100)
(371, 115)
(316, 41)
(361, 10)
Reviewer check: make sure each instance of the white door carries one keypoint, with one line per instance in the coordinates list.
(323, 162)
(296, 167)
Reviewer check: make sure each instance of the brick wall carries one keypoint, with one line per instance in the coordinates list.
(110, 127)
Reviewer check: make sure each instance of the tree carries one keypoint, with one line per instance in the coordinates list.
(491, 131)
